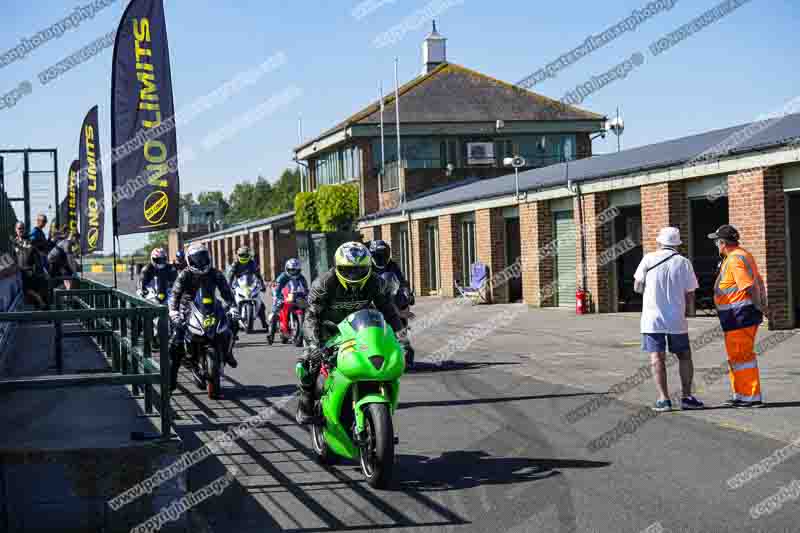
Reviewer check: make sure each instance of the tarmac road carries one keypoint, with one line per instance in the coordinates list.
(483, 447)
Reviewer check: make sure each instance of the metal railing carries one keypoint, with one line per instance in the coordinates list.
(111, 318)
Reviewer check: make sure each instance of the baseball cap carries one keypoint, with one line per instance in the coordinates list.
(727, 232)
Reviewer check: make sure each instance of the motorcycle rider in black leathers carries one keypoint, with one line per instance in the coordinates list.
(247, 265)
(199, 273)
(158, 270)
(351, 285)
(381, 254)
(180, 261)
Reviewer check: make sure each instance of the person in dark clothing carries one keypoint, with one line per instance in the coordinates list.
(20, 239)
(292, 272)
(180, 260)
(60, 258)
(351, 285)
(382, 259)
(157, 270)
(199, 273)
(32, 264)
(246, 264)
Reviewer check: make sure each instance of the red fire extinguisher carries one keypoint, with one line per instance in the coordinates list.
(581, 302)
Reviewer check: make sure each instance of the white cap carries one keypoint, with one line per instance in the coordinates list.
(669, 237)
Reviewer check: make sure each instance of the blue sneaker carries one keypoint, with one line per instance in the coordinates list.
(690, 402)
(663, 405)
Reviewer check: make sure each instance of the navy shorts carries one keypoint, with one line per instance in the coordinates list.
(662, 342)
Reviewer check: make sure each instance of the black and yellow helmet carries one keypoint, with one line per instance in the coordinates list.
(245, 254)
(353, 264)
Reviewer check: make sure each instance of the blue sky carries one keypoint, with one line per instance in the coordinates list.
(742, 66)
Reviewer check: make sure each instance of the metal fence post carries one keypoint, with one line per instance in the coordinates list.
(147, 354)
(166, 375)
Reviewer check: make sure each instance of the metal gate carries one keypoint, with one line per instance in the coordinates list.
(566, 258)
(315, 250)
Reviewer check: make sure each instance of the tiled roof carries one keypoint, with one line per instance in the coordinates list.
(451, 93)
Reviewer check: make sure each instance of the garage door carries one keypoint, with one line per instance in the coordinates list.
(566, 258)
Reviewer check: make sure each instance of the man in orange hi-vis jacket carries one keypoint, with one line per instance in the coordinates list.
(740, 298)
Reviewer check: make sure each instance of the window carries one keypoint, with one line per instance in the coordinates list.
(339, 166)
(448, 153)
(543, 150)
(468, 255)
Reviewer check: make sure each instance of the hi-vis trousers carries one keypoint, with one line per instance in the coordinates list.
(742, 363)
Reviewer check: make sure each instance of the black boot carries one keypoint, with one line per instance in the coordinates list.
(230, 360)
(175, 356)
(305, 407)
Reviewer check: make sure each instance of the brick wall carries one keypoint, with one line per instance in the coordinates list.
(386, 235)
(536, 230)
(449, 253)
(757, 209)
(286, 248)
(370, 181)
(490, 247)
(264, 259)
(664, 204)
(597, 240)
(370, 234)
(419, 251)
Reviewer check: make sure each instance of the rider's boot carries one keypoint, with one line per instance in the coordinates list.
(263, 317)
(305, 407)
(175, 355)
(230, 360)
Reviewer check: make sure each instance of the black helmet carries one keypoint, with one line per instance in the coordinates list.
(198, 259)
(381, 253)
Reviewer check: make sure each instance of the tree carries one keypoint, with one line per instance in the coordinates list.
(156, 239)
(337, 206)
(249, 201)
(305, 212)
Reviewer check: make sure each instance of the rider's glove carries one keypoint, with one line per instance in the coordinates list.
(233, 312)
(175, 316)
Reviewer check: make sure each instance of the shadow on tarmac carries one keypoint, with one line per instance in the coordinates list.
(474, 401)
(457, 470)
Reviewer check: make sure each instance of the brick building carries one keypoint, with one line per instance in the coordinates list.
(455, 124)
(272, 240)
(581, 212)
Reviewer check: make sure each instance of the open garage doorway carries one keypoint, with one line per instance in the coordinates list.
(628, 224)
(793, 237)
(705, 217)
(513, 251)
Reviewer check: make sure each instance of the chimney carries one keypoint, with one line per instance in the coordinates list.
(434, 51)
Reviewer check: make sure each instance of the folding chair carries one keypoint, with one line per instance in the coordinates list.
(478, 286)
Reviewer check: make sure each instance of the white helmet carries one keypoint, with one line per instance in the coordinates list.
(293, 267)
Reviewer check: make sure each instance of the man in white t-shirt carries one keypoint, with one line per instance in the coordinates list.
(668, 282)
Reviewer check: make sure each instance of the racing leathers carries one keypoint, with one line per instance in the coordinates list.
(238, 269)
(164, 278)
(183, 292)
(330, 301)
(277, 296)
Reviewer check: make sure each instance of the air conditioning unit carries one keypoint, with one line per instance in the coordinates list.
(480, 153)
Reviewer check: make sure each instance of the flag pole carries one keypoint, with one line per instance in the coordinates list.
(399, 151)
(383, 144)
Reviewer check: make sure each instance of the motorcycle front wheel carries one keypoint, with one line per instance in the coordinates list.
(321, 449)
(377, 457)
(214, 382)
(249, 317)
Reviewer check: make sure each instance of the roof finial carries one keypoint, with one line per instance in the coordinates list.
(434, 25)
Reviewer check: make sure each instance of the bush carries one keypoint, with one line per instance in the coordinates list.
(305, 208)
(337, 206)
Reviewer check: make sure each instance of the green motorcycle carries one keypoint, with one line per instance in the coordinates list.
(363, 364)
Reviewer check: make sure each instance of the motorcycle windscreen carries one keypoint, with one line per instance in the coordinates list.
(372, 353)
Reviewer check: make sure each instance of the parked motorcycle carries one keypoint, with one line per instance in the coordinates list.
(358, 389)
(403, 299)
(247, 291)
(292, 314)
(208, 339)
